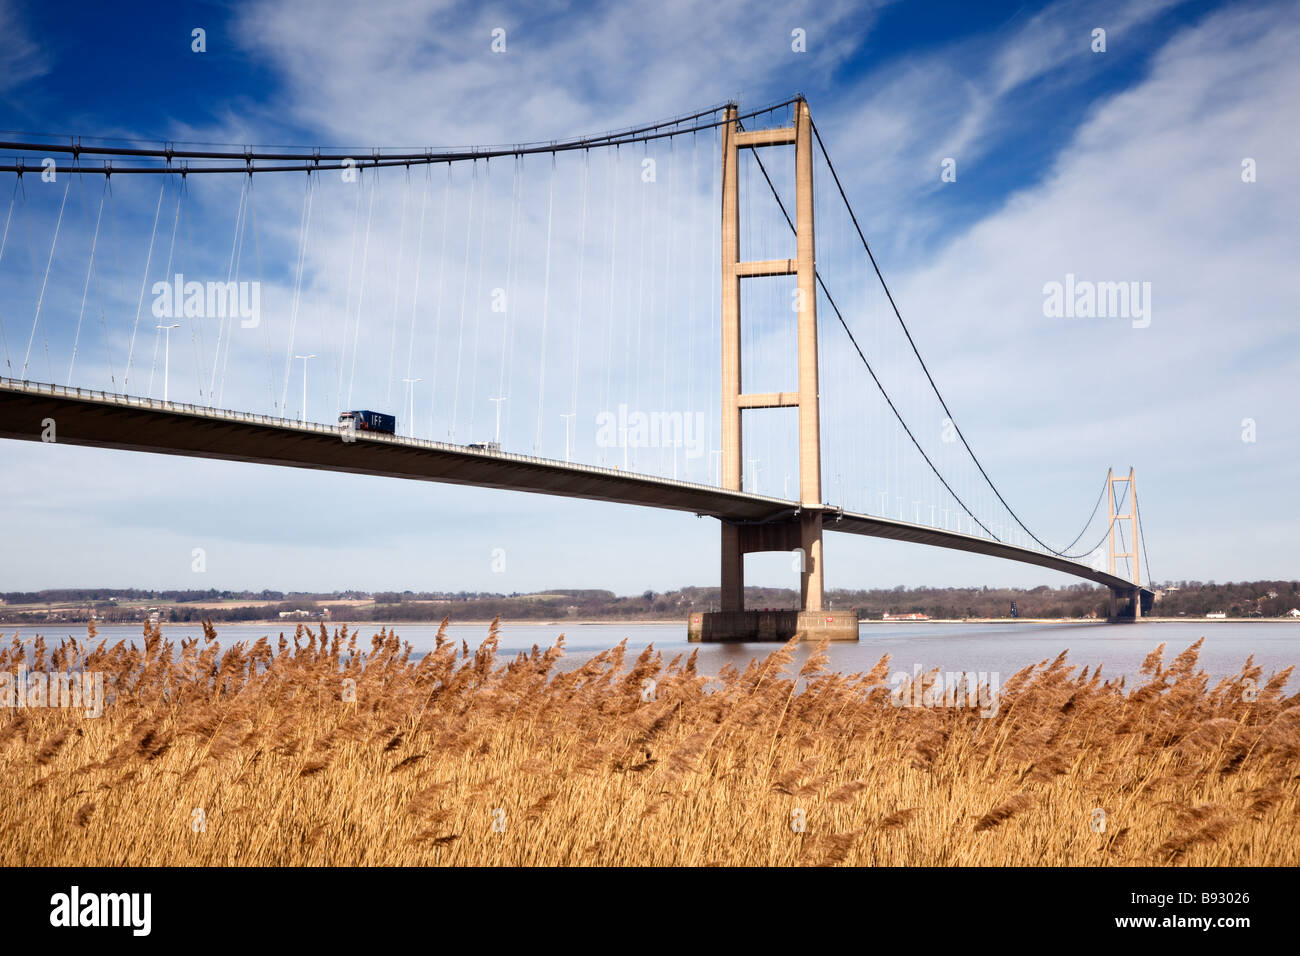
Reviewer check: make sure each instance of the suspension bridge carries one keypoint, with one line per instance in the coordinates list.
(601, 317)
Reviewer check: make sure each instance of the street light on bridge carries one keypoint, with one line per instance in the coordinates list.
(410, 412)
(302, 414)
(167, 348)
(566, 416)
(498, 400)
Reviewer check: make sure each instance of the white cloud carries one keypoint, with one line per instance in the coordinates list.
(1150, 190)
(967, 100)
(419, 73)
(21, 58)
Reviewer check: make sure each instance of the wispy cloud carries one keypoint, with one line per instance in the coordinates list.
(971, 100)
(425, 73)
(21, 58)
(1150, 189)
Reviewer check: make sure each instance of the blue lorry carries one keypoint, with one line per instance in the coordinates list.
(366, 421)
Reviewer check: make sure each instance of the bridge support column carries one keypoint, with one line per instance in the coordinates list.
(811, 582)
(1121, 599)
(733, 569)
(730, 466)
(810, 440)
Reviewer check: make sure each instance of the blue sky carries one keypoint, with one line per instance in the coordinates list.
(1122, 165)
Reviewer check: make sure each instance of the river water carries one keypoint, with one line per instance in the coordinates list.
(1000, 649)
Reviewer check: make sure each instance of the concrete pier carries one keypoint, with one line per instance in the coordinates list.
(1130, 604)
(778, 626)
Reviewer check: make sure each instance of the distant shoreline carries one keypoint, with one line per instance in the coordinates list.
(614, 622)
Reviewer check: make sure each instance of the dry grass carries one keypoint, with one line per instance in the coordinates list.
(581, 770)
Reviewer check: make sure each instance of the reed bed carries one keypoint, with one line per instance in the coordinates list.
(316, 751)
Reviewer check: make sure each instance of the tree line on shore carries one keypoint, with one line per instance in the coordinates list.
(1184, 598)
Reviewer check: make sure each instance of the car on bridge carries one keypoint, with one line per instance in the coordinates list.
(366, 421)
(485, 445)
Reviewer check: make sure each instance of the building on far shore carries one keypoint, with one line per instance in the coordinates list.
(905, 617)
(300, 614)
(1217, 615)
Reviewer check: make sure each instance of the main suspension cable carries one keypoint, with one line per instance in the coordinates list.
(898, 415)
(245, 160)
(915, 351)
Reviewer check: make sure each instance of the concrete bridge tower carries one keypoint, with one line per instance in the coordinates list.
(801, 531)
(1134, 595)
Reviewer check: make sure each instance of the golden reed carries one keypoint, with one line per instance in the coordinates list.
(317, 752)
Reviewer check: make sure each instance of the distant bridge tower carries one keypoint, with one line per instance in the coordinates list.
(803, 531)
(1135, 595)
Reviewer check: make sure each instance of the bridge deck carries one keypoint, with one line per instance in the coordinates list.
(106, 420)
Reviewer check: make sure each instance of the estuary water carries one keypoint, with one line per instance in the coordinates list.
(1000, 648)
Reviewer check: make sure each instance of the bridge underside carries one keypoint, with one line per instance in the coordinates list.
(133, 424)
(103, 420)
